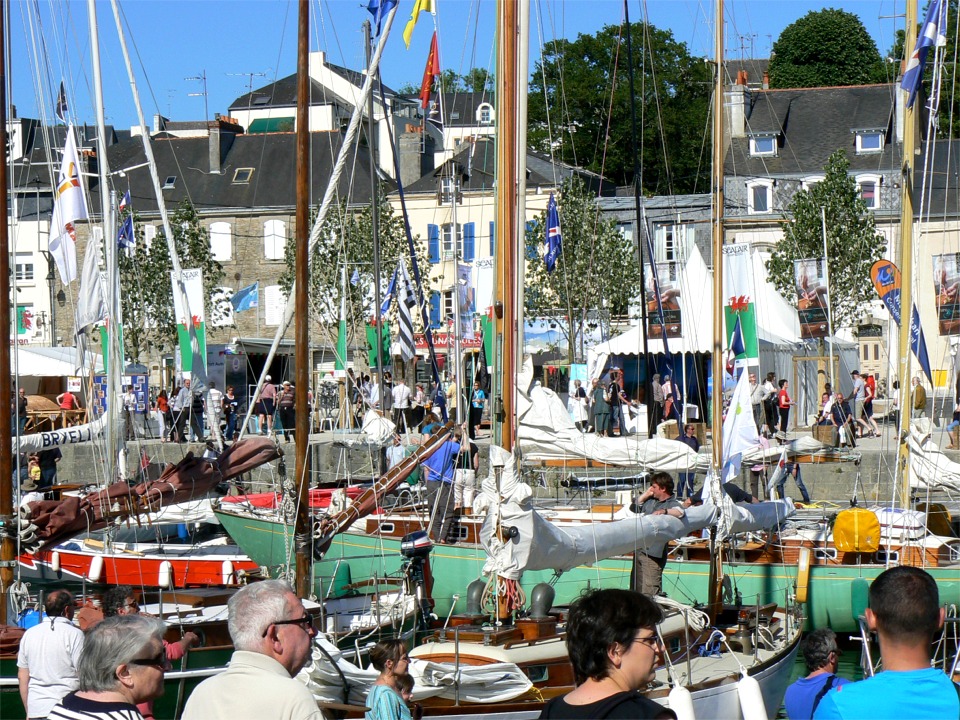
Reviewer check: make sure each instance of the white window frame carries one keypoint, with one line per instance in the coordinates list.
(275, 304)
(485, 114)
(446, 183)
(449, 250)
(447, 311)
(881, 139)
(221, 241)
(755, 151)
(755, 185)
(149, 235)
(875, 179)
(274, 239)
(24, 269)
(672, 242)
(809, 182)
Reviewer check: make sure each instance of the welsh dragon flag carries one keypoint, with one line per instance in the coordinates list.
(739, 300)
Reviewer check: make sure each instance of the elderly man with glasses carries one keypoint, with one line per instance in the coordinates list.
(273, 636)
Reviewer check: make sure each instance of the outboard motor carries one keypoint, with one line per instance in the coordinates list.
(415, 548)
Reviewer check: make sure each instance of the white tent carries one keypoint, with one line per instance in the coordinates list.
(33, 361)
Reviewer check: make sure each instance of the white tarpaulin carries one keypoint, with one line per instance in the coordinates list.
(929, 467)
(54, 362)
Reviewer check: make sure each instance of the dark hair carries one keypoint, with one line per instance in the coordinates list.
(783, 381)
(817, 647)
(57, 601)
(115, 598)
(771, 375)
(663, 480)
(906, 603)
(405, 682)
(601, 618)
(389, 649)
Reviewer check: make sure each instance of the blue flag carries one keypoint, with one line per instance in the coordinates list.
(931, 34)
(246, 298)
(125, 238)
(355, 278)
(380, 9)
(554, 240)
(919, 345)
(391, 289)
(61, 107)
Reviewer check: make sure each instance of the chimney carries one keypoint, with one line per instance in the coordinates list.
(213, 131)
(766, 80)
(409, 147)
(742, 77)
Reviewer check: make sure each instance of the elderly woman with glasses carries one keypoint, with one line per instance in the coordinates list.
(384, 699)
(614, 649)
(122, 664)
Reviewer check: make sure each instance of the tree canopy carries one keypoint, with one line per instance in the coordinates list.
(825, 48)
(596, 270)
(579, 108)
(853, 243)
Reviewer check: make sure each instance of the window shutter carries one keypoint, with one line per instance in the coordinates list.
(433, 237)
(468, 242)
(434, 310)
(492, 238)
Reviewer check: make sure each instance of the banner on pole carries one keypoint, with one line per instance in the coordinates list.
(810, 276)
(739, 299)
(669, 285)
(946, 283)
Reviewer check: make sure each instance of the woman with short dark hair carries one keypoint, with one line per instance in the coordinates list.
(614, 648)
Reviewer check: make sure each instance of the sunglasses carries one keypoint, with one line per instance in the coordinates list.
(651, 641)
(160, 661)
(306, 622)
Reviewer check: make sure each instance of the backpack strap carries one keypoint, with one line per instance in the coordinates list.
(823, 691)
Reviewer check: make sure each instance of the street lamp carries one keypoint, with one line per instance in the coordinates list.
(51, 281)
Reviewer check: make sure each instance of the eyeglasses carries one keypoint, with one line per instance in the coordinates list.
(160, 661)
(651, 641)
(306, 622)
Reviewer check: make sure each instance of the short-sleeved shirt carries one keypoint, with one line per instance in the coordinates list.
(439, 466)
(628, 704)
(783, 399)
(50, 651)
(858, 390)
(385, 704)
(800, 696)
(890, 695)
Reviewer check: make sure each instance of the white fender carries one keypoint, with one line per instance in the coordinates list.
(165, 575)
(95, 572)
(226, 573)
(55, 561)
(751, 699)
(681, 702)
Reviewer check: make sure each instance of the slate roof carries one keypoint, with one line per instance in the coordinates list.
(755, 67)
(943, 182)
(812, 123)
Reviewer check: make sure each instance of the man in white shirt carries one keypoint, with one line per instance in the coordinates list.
(48, 657)
(181, 410)
(130, 412)
(213, 407)
(401, 404)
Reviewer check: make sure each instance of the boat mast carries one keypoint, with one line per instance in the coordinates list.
(8, 548)
(301, 345)
(906, 262)
(716, 559)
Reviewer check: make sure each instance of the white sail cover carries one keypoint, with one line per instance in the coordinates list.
(493, 683)
(57, 438)
(929, 467)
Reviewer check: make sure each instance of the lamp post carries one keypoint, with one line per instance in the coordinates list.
(51, 281)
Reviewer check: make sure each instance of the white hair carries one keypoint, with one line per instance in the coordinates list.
(253, 608)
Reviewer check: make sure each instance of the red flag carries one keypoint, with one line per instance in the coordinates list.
(432, 69)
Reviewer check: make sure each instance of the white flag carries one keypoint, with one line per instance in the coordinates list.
(739, 430)
(778, 473)
(69, 207)
(91, 304)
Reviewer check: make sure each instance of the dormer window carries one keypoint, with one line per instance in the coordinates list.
(449, 186)
(869, 141)
(763, 145)
(485, 114)
(170, 183)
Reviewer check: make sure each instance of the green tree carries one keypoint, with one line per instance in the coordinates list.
(853, 243)
(596, 269)
(147, 291)
(825, 48)
(346, 241)
(478, 80)
(572, 115)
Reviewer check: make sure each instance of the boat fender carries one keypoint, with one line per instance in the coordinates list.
(226, 573)
(803, 575)
(751, 699)
(165, 575)
(681, 702)
(95, 572)
(55, 561)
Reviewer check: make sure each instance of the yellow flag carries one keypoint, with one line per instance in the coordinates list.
(418, 6)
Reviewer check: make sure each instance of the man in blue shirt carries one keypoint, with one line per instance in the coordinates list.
(821, 654)
(439, 472)
(905, 612)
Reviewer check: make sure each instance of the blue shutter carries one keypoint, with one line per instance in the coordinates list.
(434, 309)
(469, 242)
(493, 242)
(531, 245)
(433, 236)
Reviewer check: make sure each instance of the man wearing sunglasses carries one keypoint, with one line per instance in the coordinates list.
(273, 636)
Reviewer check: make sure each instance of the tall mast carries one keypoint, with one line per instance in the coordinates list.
(906, 259)
(302, 344)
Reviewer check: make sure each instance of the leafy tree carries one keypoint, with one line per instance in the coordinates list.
(475, 80)
(478, 80)
(147, 291)
(853, 243)
(347, 237)
(575, 81)
(597, 266)
(825, 48)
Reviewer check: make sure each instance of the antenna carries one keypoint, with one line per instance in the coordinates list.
(250, 76)
(201, 78)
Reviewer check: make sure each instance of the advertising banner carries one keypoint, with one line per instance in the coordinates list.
(946, 283)
(812, 299)
(667, 275)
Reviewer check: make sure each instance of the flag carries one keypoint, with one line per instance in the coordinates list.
(380, 9)
(482, 375)
(69, 207)
(24, 320)
(919, 345)
(432, 69)
(932, 33)
(554, 240)
(391, 289)
(886, 280)
(405, 344)
(736, 347)
(355, 278)
(246, 298)
(778, 473)
(739, 430)
(124, 201)
(125, 238)
(340, 357)
(91, 304)
(418, 7)
(61, 106)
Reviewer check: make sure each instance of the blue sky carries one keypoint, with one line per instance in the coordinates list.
(172, 40)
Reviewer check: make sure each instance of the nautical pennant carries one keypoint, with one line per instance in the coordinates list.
(380, 9)
(69, 207)
(554, 239)
(932, 33)
(418, 7)
(61, 107)
(431, 70)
